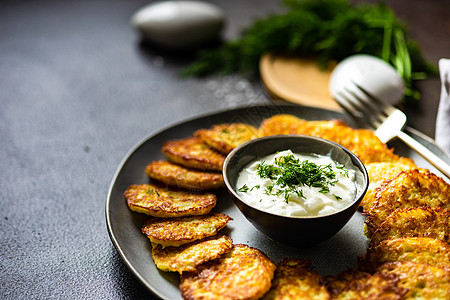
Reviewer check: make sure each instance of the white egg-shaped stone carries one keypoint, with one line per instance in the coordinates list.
(179, 24)
(370, 72)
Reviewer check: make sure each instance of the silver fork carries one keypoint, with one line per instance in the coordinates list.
(386, 120)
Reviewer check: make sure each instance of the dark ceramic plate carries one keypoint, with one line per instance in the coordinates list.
(329, 257)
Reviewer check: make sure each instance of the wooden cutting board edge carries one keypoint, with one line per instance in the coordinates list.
(297, 80)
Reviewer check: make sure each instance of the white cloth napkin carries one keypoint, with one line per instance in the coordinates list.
(442, 135)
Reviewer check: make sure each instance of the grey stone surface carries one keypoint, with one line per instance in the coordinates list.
(77, 91)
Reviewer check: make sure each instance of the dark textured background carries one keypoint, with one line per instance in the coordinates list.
(77, 91)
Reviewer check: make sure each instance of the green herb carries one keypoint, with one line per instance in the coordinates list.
(265, 171)
(151, 191)
(337, 197)
(342, 168)
(329, 29)
(243, 189)
(255, 187)
(290, 173)
(286, 195)
(268, 190)
(324, 190)
(300, 194)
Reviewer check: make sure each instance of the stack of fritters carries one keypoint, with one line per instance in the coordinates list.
(182, 224)
(184, 231)
(407, 211)
(364, 143)
(408, 226)
(408, 189)
(196, 162)
(407, 218)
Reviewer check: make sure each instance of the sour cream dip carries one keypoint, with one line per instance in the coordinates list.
(293, 184)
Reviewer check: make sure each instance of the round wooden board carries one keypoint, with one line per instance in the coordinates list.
(297, 80)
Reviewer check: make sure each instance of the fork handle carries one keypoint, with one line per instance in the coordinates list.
(432, 158)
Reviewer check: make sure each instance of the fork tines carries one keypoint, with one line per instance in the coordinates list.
(360, 103)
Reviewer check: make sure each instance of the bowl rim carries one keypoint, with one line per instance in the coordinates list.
(356, 161)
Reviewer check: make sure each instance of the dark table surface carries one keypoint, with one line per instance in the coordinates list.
(77, 91)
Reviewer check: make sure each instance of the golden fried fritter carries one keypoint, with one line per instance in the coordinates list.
(414, 222)
(158, 201)
(192, 152)
(243, 273)
(357, 285)
(410, 188)
(181, 177)
(422, 281)
(294, 279)
(351, 138)
(188, 257)
(179, 231)
(378, 173)
(326, 129)
(280, 124)
(417, 249)
(364, 143)
(370, 155)
(334, 130)
(225, 137)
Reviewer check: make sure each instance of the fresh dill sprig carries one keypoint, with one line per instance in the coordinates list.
(243, 188)
(151, 191)
(255, 187)
(329, 29)
(290, 173)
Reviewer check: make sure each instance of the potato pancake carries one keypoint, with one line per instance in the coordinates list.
(357, 285)
(280, 124)
(294, 279)
(193, 153)
(378, 173)
(289, 124)
(225, 137)
(422, 281)
(181, 177)
(180, 231)
(158, 201)
(410, 188)
(364, 143)
(242, 273)
(188, 257)
(370, 155)
(416, 249)
(414, 222)
(351, 138)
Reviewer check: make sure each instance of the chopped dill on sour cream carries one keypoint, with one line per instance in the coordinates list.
(293, 184)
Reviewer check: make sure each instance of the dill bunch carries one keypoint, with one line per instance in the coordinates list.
(331, 30)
